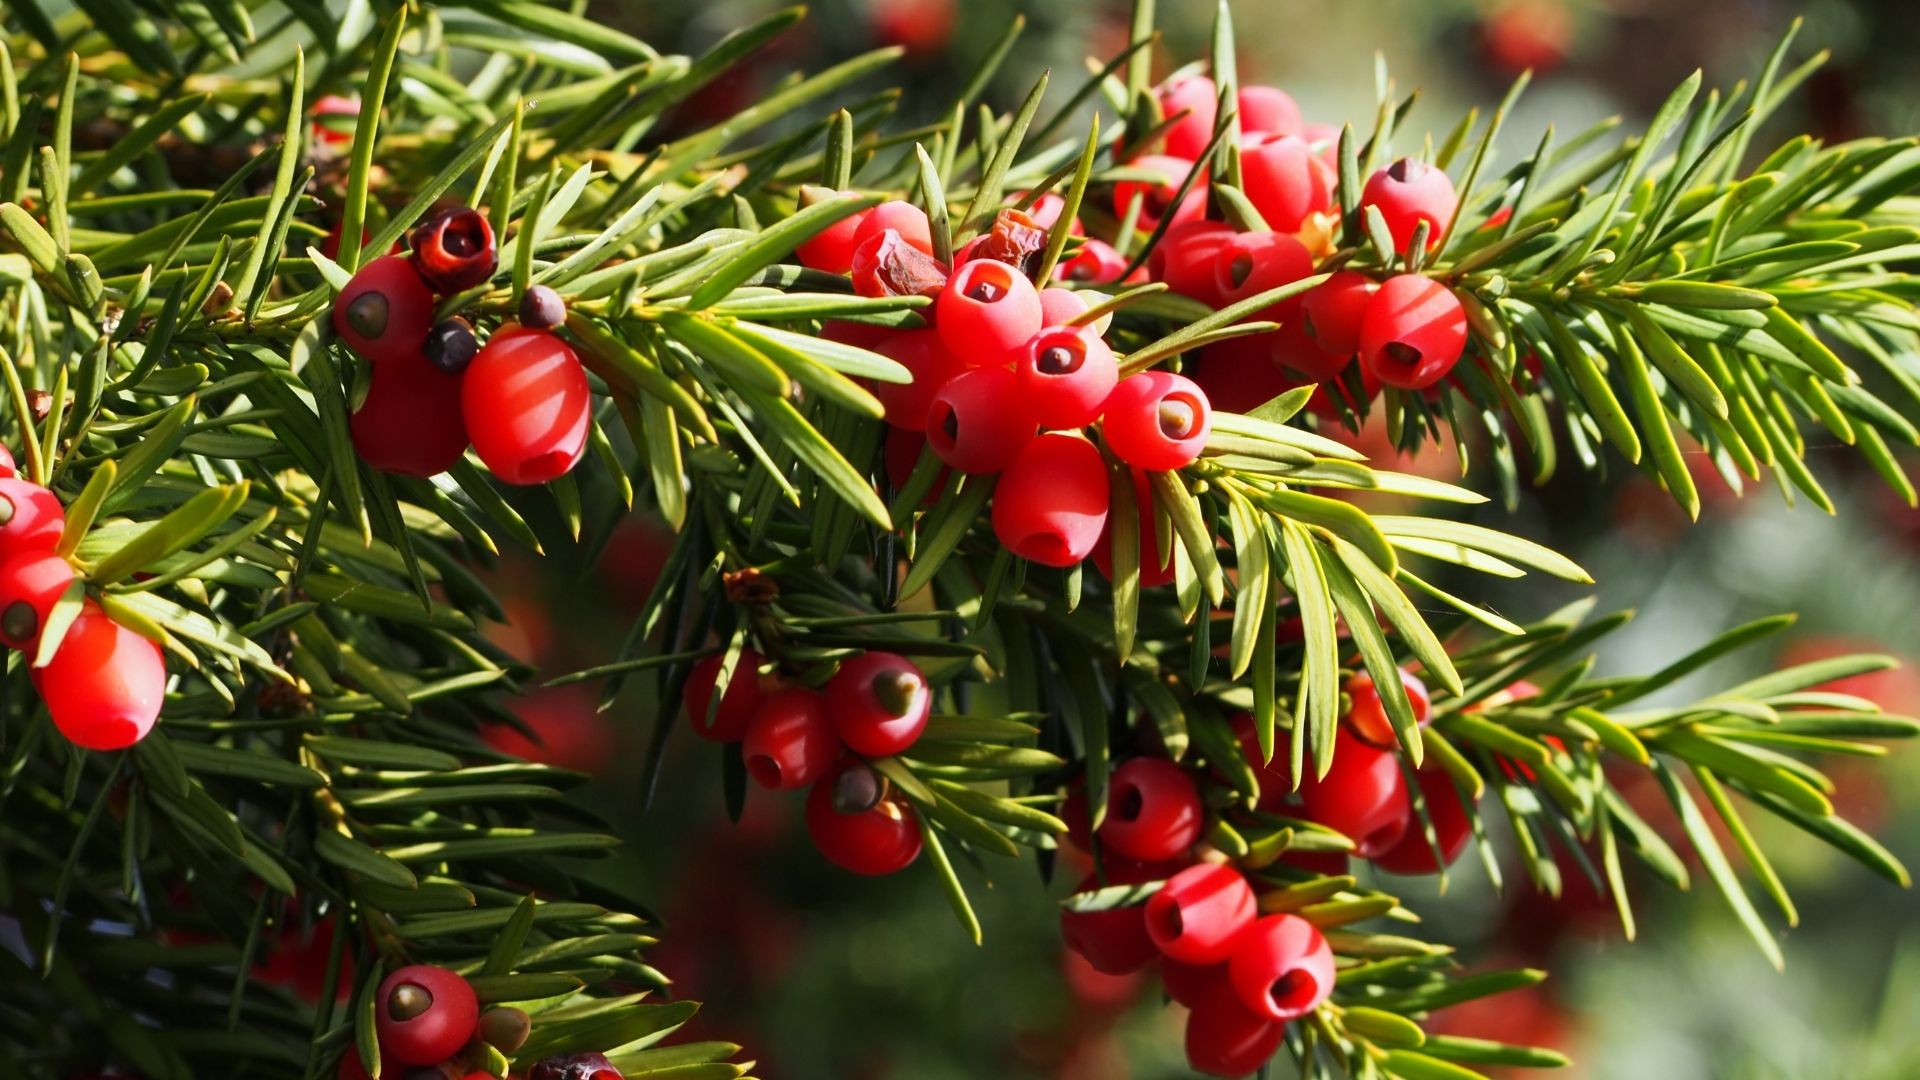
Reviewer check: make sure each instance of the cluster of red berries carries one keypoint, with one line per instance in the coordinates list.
(1407, 331)
(1243, 975)
(876, 705)
(429, 1025)
(1010, 377)
(522, 402)
(104, 684)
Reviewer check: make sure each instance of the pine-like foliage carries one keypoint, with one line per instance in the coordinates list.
(316, 785)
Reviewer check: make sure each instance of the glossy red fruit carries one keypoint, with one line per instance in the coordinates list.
(333, 119)
(1060, 306)
(1274, 777)
(1045, 213)
(385, 311)
(1050, 505)
(30, 584)
(904, 218)
(1153, 810)
(1196, 916)
(31, 518)
(1224, 1037)
(1363, 796)
(1115, 940)
(977, 424)
(1187, 983)
(454, 250)
(105, 683)
(1064, 376)
(411, 422)
(737, 705)
(1413, 332)
(1156, 421)
(1154, 571)
(1367, 718)
(1285, 181)
(1240, 374)
(1414, 853)
(526, 402)
(1096, 263)
(1293, 351)
(350, 1067)
(1156, 199)
(987, 310)
(790, 741)
(423, 1015)
(879, 703)
(902, 452)
(1333, 309)
(1249, 264)
(857, 825)
(1407, 193)
(831, 249)
(1269, 110)
(1282, 969)
(1184, 259)
(1199, 99)
(927, 358)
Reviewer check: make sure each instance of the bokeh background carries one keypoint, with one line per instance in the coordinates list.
(826, 976)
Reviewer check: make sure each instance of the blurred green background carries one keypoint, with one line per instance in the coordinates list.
(823, 975)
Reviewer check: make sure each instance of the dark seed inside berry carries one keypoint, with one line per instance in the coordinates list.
(408, 1001)
(20, 622)
(1079, 271)
(367, 314)
(1128, 806)
(1241, 269)
(1059, 360)
(6, 510)
(1288, 989)
(951, 426)
(857, 790)
(460, 243)
(895, 691)
(985, 291)
(451, 345)
(1178, 418)
(1401, 169)
(505, 1028)
(1402, 353)
(542, 308)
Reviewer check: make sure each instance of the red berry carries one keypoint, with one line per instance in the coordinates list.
(1045, 213)
(1269, 110)
(1285, 181)
(1058, 306)
(1413, 332)
(737, 705)
(1451, 827)
(831, 249)
(1275, 777)
(1156, 421)
(7, 466)
(923, 354)
(1114, 941)
(1367, 719)
(1363, 795)
(105, 683)
(1291, 349)
(879, 703)
(350, 1067)
(1409, 192)
(976, 423)
(30, 584)
(904, 218)
(526, 400)
(1224, 1037)
(1197, 96)
(856, 825)
(790, 743)
(1282, 968)
(1152, 572)
(1050, 505)
(859, 335)
(1064, 375)
(902, 453)
(1249, 264)
(987, 310)
(1096, 263)
(411, 422)
(1187, 983)
(423, 1015)
(385, 311)
(1156, 199)
(1153, 810)
(1333, 309)
(333, 105)
(454, 251)
(1184, 259)
(31, 518)
(1240, 374)
(1195, 917)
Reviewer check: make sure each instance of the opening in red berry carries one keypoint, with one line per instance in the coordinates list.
(454, 250)
(1294, 991)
